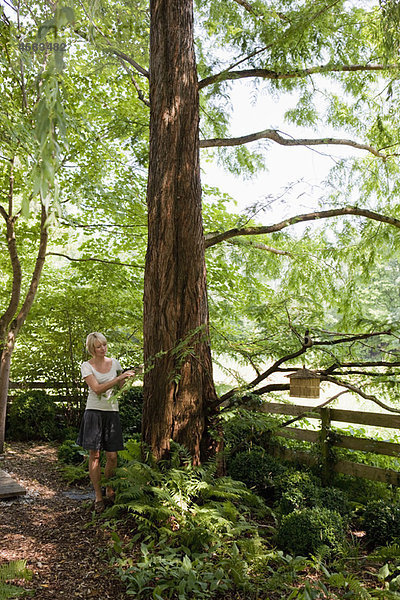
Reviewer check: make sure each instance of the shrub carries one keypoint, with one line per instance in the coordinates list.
(70, 453)
(297, 490)
(334, 499)
(243, 428)
(197, 537)
(257, 469)
(302, 489)
(32, 416)
(130, 410)
(304, 531)
(381, 522)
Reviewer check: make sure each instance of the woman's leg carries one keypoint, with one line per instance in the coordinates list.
(95, 473)
(111, 465)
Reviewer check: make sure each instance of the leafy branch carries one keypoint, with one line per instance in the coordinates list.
(275, 136)
(296, 73)
(216, 237)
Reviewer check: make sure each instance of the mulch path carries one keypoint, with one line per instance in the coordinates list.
(64, 548)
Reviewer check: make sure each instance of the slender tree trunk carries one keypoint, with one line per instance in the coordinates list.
(5, 364)
(8, 340)
(179, 386)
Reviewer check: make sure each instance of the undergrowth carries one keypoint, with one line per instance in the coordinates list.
(197, 533)
(181, 533)
(15, 570)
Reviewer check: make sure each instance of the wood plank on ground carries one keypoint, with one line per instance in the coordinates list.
(9, 488)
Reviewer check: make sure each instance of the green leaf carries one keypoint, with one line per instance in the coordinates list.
(384, 571)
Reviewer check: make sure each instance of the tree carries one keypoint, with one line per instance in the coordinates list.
(177, 401)
(44, 148)
(19, 146)
(179, 385)
(292, 47)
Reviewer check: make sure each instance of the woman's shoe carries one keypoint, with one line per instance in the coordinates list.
(109, 500)
(99, 506)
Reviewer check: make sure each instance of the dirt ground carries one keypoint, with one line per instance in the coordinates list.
(52, 532)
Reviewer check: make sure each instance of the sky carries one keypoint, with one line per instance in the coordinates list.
(293, 175)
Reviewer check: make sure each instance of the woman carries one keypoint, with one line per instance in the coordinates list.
(100, 427)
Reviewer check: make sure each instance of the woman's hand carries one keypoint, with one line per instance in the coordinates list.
(126, 374)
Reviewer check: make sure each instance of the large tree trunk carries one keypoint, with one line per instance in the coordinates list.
(179, 386)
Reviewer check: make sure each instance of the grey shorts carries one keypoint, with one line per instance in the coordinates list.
(101, 430)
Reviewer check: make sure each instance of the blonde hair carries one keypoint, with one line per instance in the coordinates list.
(92, 338)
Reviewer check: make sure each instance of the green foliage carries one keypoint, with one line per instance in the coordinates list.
(73, 462)
(305, 531)
(196, 530)
(245, 428)
(350, 585)
(9, 572)
(382, 522)
(175, 574)
(301, 489)
(74, 474)
(257, 469)
(130, 410)
(70, 453)
(32, 416)
(362, 490)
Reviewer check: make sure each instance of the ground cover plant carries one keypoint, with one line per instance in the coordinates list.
(9, 572)
(180, 532)
(196, 531)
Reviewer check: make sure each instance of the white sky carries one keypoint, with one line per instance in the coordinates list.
(306, 168)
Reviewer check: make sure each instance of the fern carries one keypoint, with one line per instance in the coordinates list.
(198, 528)
(9, 572)
(351, 583)
(385, 553)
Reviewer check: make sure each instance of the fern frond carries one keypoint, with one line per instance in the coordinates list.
(13, 570)
(385, 553)
(351, 583)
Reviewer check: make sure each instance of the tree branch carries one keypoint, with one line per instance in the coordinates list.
(40, 259)
(350, 338)
(359, 391)
(101, 260)
(14, 259)
(260, 378)
(276, 367)
(116, 52)
(134, 82)
(274, 135)
(259, 246)
(298, 73)
(215, 238)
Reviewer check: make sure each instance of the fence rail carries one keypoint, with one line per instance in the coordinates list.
(40, 385)
(326, 440)
(322, 437)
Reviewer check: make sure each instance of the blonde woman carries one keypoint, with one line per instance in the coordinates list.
(100, 427)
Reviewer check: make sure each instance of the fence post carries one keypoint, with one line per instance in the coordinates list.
(326, 457)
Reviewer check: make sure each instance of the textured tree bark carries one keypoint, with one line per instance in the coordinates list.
(179, 386)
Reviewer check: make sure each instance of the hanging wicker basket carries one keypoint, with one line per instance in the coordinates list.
(304, 384)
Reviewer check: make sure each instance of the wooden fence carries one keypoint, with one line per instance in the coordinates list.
(71, 393)
(326, 440)
(70, 400)
(323, 437)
